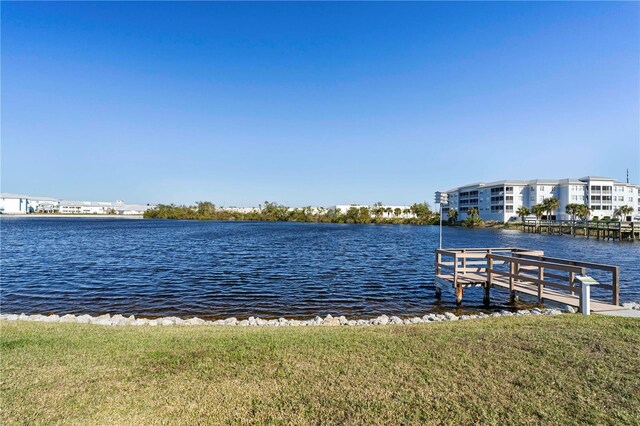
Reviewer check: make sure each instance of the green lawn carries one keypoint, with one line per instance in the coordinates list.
(547, 370)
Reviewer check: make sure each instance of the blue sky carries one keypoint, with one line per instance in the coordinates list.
(313, 103)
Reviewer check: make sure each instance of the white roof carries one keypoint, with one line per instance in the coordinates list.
(30, 197)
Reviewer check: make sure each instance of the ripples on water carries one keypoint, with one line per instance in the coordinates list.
(221, 269)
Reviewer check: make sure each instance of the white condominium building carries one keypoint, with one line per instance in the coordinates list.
(500, 200)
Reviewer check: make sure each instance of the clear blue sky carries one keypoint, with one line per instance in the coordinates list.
(313, 104)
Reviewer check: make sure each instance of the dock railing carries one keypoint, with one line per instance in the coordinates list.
(608, 279)
(541, 274)
(519, 269)
(461, 262)
(466, 260)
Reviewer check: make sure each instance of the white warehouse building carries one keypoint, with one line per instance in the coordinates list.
(14, 204)
(501, 200)
(24, 204)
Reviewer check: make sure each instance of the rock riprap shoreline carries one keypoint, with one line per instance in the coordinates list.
(329, 320)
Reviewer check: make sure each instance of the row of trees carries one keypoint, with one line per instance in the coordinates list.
(574, 210)
(274, 212)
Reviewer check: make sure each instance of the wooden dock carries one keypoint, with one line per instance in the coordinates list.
(526, 272)
(600, 230)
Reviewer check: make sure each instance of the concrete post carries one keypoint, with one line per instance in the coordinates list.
(585, 295)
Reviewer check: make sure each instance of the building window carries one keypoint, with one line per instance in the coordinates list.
(509, 209)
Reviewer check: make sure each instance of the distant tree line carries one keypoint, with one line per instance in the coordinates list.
(274, 212)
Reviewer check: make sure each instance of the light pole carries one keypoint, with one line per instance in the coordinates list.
(441, 198)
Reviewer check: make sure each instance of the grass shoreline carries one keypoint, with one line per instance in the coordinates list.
(557, 369)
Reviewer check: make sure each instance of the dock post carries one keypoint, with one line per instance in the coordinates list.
(615, 283)
(486, 299)
(487, 285)
(438, 293)
(540, 285)
(459, 294)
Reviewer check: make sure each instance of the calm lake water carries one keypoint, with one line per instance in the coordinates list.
(220, 269)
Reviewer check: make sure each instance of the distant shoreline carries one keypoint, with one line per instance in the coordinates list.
(83, 216)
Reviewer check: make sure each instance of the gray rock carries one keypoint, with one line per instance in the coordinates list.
(343, 320)
(382, 320)
(84, 319)
(153, 323)
(631, 305)
(102, 317)
(121, 321)
(140, 322)
(395, 320)
(231, 321)
(450, 317)
(523, 312)
(23, 317)
(197, 321)
(243, 323)
(295, 323)
(37, 317)
(553, 312)
(260, 322)
(219, 322)
(331, 322)
(252, 321)
(103, 321)
(496, 315)
(569, 309)
(67, 318)
(166, 321)
(362, 322)
(352, 323)
(11, 317)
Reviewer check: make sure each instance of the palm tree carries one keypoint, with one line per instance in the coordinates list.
(453, 215)
(522, 212)
(550, 204)
(473, 213)
(623, 211)
(572, 209)
(538, 210)
(583, 211)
